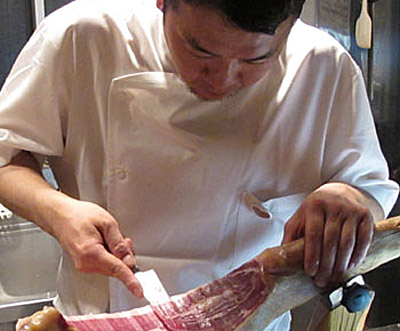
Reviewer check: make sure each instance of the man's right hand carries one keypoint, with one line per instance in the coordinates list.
(85, 230)
(93, 239)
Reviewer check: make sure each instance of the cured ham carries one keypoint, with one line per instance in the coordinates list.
(48, 319)
(248, 298)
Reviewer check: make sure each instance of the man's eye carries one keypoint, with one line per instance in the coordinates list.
(267, 58)
(259, 61)
(255, 61)
(202, 55)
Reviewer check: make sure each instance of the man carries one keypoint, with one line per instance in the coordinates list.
(195, 131)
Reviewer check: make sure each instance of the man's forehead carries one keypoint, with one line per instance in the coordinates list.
(207, 30)
(253, 54)
(214, 43)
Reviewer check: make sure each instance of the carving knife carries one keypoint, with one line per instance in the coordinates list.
(153, 290)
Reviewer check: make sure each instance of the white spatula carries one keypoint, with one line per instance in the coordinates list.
(364, 27)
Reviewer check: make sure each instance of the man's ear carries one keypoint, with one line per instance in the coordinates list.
(160, 4)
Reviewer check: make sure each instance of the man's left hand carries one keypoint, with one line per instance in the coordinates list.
(338, 228)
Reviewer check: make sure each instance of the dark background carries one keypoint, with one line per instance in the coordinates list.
(16, 26)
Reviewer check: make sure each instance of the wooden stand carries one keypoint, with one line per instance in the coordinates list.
(338, 319)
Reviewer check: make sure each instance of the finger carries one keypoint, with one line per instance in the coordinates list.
(346, 247)
(363, 240)
(293, 228)
(112, 266)
(330, 241)
(130, 244)
(129, 259)
(314, 230)
(116, 243)
(97, 259)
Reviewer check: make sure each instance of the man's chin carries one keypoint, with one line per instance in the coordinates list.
(211, 96)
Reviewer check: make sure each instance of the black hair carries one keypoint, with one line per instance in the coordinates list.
(250, 15)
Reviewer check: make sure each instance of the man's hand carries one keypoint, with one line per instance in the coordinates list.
(85, 230)
(93, 239)
(338, 228)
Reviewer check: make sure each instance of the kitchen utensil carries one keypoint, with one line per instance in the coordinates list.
(153, 290)
(364, 27)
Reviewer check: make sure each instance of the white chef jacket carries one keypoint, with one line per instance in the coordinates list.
(95, 90)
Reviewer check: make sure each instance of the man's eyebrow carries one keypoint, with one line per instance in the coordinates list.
(194, 43)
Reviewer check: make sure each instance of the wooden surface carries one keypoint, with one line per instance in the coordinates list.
(339, 319)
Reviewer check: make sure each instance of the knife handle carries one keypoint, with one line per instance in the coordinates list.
(135, 269)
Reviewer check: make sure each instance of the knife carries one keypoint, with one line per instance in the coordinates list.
(153, 290)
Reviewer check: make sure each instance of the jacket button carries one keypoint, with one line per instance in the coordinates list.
(120, 173)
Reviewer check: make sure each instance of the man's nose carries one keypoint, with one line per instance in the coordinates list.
(222, 73)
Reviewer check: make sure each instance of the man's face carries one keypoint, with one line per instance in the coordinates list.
(214, 58)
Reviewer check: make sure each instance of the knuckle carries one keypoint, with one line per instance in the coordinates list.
(362, 212)
(130, 244)
(339, 271)
(367, 217)
(357, 209)
(88, 255)
(324, 270)
(81, 263)
(115, 270)
(289, 226)
(108, 223)
(313, 203)
(77, 251)
(120, 249)
(347, 244)
(83, 258)
(336, 210)
(78, 264)
(330, 244)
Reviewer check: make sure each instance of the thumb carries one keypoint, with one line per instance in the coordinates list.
(288, 237)
(293, 229)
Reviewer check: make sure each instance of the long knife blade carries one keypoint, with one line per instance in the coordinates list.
(153, 290)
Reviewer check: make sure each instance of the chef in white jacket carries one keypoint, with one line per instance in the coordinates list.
(188, 136)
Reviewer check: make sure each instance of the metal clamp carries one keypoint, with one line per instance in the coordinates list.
(355, 295)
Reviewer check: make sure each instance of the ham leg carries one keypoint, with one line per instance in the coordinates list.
(248, 298)
(295, 288)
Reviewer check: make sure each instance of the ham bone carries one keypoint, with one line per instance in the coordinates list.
(248, 298)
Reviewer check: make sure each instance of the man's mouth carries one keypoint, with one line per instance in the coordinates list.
(209, 94)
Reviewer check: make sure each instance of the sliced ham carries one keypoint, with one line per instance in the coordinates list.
(248, 298)
(220, 305)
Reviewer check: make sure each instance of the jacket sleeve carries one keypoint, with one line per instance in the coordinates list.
(34, 99)
(352, 151)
